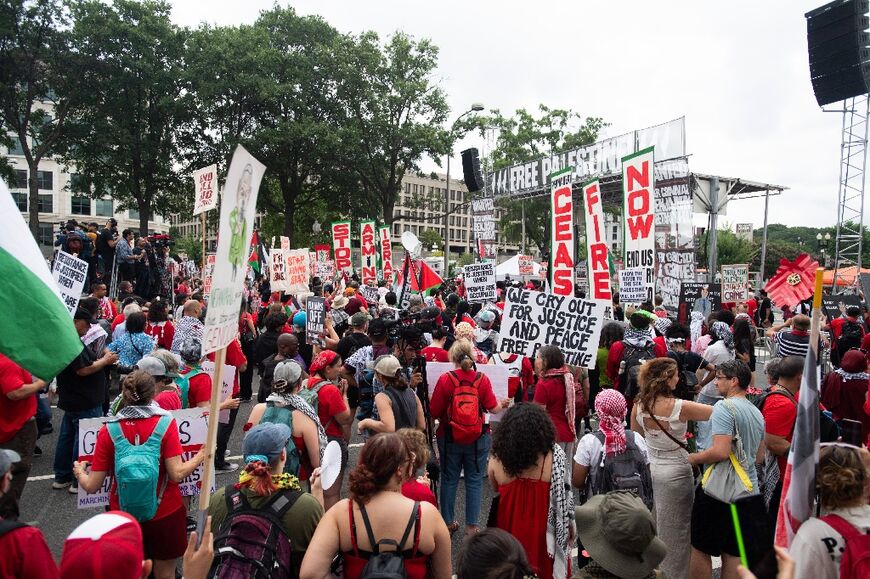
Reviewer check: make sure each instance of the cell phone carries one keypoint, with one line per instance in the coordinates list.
(850, 431)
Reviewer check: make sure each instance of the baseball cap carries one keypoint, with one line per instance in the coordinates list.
(7, 459)
(151, 365)
(359, 319)
(265, 440)
(107, 546)
(387, 365)
(289, 371)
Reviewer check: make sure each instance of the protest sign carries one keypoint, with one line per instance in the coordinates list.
(704, 298)
(835, 306)
(525, 265)
(323, 253)
(370, 293)
(312, 263)
(562, 241)
(638, 182)
(598, 267)
(277, 271)
(205, 182)
(297, 271)
(228, 378)
(385, 243)
(208, 274)
(533, 319)
(368, 252)
(341, 247)
(70, 274)
(231, 263)
(632, 286)
(864, 280)
(192, 427)
(285, 243)
(735, 282)
(480, 282)
(315, 319)
(674, 234)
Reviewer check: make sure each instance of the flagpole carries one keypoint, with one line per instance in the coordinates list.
(202, 215)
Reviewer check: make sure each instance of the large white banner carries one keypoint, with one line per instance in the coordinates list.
(205, 181)
(479, 280)
(341, 247)
(70, 274)
(638, 182)
(533, 319)
(368, 252)
(598, 266)
(236, 225)
(675, 240)
(562, 228)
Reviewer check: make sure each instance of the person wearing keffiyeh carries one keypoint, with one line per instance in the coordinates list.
(555, 392)
(637, 335)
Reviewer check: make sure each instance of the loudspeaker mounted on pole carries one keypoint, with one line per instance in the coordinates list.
(471, 170)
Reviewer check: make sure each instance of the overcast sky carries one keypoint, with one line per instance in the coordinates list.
(736, 70)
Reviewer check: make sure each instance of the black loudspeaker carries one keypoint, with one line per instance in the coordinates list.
(471, 170)
(839, 50)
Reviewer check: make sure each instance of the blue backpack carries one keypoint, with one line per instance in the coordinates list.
(137, 470)
(282, 415)
(183, 383)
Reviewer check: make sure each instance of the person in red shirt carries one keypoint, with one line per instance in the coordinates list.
(470, 458)
(435, 352)
(23, 551)
(164, 535)
(159, 327)
(638, 334)
(18, 431)
(333, 411)
(852, 317)
(108, 310)
(555, 392)
(521, 375)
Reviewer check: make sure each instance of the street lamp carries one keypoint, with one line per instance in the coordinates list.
(822, 248)
(475, 107)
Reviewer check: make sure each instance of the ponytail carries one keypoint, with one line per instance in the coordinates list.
(137, 389)
(258, 477)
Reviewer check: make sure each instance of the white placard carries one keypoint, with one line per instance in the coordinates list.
(277, 271)
(632, 285)
(205, 183)
(480, 282)
(228, 379)
(498, 376)
(70, 274)
(297, 271)
(735, 281)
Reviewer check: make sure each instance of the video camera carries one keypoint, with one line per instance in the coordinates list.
(160, 240)
(423, 319)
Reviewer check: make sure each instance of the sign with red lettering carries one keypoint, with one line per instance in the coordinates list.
(208, 273)
(596, 242)
(562, 241)
(205, 181)
(341, 247)
(385, 241)
(368, 252)
(638, 183)
(525, 266)
(277, 270)
(297, 271)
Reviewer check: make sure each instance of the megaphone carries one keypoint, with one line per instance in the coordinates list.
(411, 244)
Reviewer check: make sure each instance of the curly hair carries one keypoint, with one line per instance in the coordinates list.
(525, 434)
(842, 476)
(416, 441)
(611, 333)
(653, 380)
(382, 456)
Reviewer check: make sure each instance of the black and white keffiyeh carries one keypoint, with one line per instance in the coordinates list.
(561, 527)
(296, 402)
(134, 412)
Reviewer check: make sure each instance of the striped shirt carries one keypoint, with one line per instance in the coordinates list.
(790, 344)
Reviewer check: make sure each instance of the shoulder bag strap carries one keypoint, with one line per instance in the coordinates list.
(412, 521)
(667, 433)
(368, 525)
(842, 526)
(352, 528)
(132, 343)
(282, 501)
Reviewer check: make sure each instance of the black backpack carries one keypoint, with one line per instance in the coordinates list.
(9, 526)
(366, 396)
(851, 336)
(628, 471)
(387, 564)
(633, 356)
(828, 429)
(688, 379)
(252, 542)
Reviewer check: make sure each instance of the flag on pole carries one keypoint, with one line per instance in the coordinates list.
(799, 482)
(44, 348)
(255, 259)
(422, 277)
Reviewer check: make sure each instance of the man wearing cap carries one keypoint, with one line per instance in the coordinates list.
(18, 431)
(105, 250)
(358, 338)
(23, 552)
(81, 388)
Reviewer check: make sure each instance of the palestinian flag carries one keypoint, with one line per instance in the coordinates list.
(256, 259)
(421, 277)
(45, 347)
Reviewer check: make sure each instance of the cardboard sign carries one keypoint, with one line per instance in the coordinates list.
(231, 264)
(835, 306)
(205, 183)
(533, 319)
(632, 286)
(598, 268)
(70, 274)
(638, 183)
(480, 282)
(227, 382)
(704, 298)
(368, 252)
(370, 293)
(735, 282)
(315, 319)
(297, 271)
(208, 274)
(525, 265)
(277, 271)
(385, 243)
(341, 247)
(675, 235)
(192, 428)
(562, 242)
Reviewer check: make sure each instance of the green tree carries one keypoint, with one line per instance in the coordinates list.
(730, 249)
(189, 245)
(134, 104)
(431, 239)
(37, 70)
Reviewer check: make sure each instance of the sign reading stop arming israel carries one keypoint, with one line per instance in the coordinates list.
(341, 247)
(562, 242)
(638, 182)
(368, 252)
(596, 242)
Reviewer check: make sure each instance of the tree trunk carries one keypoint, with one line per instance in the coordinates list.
(144, 214)
(33, 198)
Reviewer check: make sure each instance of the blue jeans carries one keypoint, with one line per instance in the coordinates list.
(705, 427)
(454, 459)
(43, 412)
(68, 442)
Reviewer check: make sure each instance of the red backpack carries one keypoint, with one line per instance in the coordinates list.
(856, 557)
(465, 414)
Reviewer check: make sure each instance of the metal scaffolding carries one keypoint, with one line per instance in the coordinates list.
(850, 198)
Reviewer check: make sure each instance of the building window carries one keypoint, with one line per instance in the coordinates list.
(45, 179)
(134, 214)
(20, 178)
(81, 205)
(615, 234)
(77, 184)
(104, 208)
(46, 234)
(16, 148)
(46, 203)
(20, 200)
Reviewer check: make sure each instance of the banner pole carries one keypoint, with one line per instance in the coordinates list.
(210, 443)
(202, 215)
(817, 311)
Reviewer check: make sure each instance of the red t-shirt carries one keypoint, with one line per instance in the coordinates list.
(443, 395)
(235, 357)
(550, 393)
(168, 400)
(104, 459)
(435, 354)
(751, 306)
(329, 403)
(162, 332)
(200, 388)
(779, 416)
(118, 319)
(23, 553)
(13, 413)
(417, 491)
(615, 356)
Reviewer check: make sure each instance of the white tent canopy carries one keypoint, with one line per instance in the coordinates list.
(512, 267)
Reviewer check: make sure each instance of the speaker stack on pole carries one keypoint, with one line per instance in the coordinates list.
(471, 170)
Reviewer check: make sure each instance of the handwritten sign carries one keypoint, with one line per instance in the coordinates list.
(207, 274)
(480, 282)
(70, 274)
(370, 293)
(632, 285)
(735, 280)
(315, 319)
(525, 265)
(229, 378)
(297, 271)
(533, 319)
(277, 271)
(205, 183)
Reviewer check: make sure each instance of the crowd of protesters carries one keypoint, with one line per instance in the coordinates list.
(595, 472)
